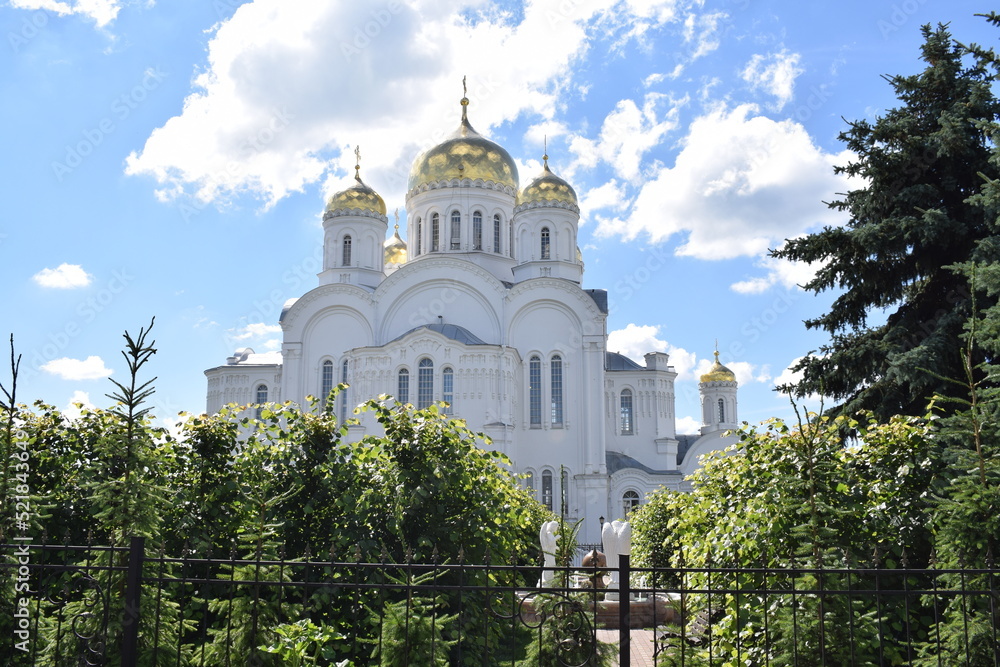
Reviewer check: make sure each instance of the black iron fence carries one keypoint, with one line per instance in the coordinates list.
(100, 605)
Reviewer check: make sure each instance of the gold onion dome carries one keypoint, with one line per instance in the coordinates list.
(465, 154)
(395, 249)
(718, 373)
(548, 188)
(358, 196)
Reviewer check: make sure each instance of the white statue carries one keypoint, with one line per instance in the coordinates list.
(549, 537)
(617, 538)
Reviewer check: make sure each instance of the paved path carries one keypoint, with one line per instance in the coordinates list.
(642, 645)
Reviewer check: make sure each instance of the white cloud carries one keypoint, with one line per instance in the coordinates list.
(634, 341)
(774, 74)
(741, 184)
(64, 276)
(266, 116)
(72, 411)
(687, 425)
(91, 368)
(627, 134)
(254, 330)
(790, 275)
(102, 12)
(703, 32)
(810, 402)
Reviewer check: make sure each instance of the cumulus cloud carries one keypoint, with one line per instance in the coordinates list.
(64, 276)
(281, 102)
(687, 425)
(91, 368)
(780, 272)
(634, 341)
(78, 402)
(742, 183)
(627, 134)
(102, 12)
(774, 74)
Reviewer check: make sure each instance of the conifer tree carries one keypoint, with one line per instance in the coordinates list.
(913, 215)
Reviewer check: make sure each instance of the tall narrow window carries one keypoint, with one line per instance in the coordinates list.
(420, 229)
(435, 231)
(557, 390)
(403, 386)
(496, 233)
(448, 390)
(529, 482)
(477, 230)
(326, 382)
(547, 489)
(343, 394)
(345, 259)
(535, 391)
(722, 411)
(510, 248)
(425, 383)
(628, 428)
(630, 500)
(456, 230)
(546, 244)
(261, 398)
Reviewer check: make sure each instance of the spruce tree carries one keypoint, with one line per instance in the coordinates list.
(913, 216)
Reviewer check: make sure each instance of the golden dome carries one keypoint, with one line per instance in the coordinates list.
(465, 154)
(395, 249)
(547, 188)
(718, 372)
(358, 196)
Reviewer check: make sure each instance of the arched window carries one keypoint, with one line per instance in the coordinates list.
(477, 230)
(448, 390)
(628, 427)
(435, 231)
(630, 500)
(326, 382)
(261, 398)
(722, 411)
(535, 391)
(403, 386)
(547, 489)
(529, 482)
(546, 244)
(345, 258)
(496, 233)
(510, 248)
(343, 394)
(456, 230)
(425, 383)
(420, 229)
(557, 390)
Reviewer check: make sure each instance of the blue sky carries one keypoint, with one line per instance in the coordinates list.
(172, 159)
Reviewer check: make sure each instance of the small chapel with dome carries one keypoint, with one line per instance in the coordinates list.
(482, 307)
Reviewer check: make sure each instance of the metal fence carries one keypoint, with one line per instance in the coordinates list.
(101, 605)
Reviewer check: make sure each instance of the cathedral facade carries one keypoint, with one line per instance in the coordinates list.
(483, 308)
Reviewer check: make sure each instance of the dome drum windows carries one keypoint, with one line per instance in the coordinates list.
(456, 230)
(496, 234)
(477, 230)
(345, 256)
(546, 248)
(435, 231)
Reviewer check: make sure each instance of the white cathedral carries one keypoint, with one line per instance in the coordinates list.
(484, 309)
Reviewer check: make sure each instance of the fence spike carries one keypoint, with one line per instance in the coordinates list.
(357, 553)
(461, 555)
(434, 555)
(409, 555)
(384, 555)
(333, 553)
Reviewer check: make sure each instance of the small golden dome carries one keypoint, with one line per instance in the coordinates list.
(465, 154)
(395, 249)
(548, 188)
(358, 196)
(718, 372)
